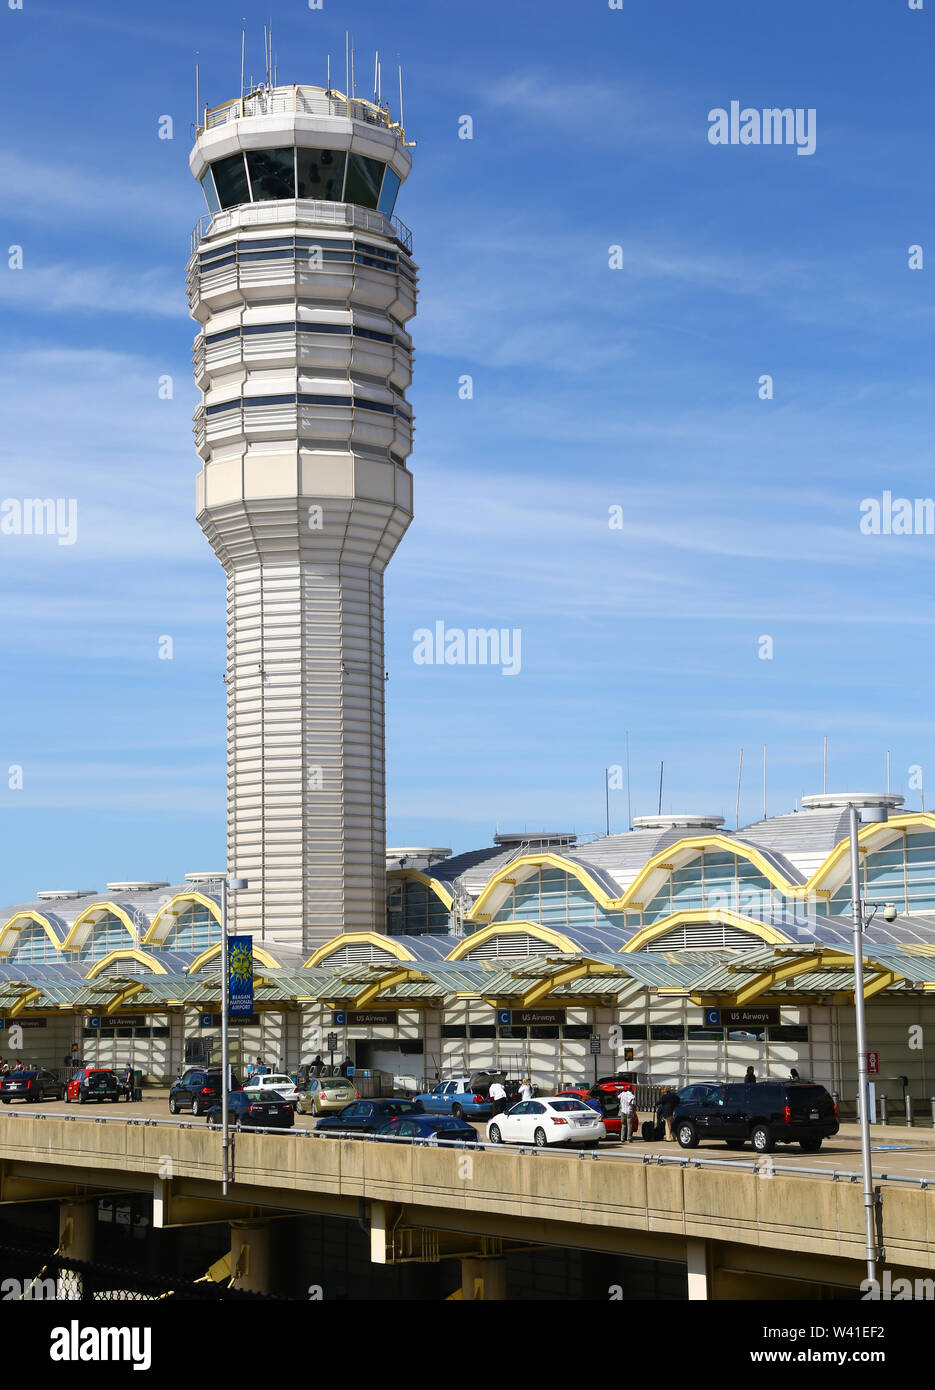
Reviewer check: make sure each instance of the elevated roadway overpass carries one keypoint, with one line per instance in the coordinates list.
(742, 1230)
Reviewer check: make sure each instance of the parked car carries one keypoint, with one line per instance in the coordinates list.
(34, 1085)
(446, 1129)
(94, 1083)
(698, 1091)
(276, 1082)
(765, 1114)
(367, 1116)
(548, 1120)
(253, 1111)
(326, 1093)
(611, 1103)
(461, 1096)
(198, 1090)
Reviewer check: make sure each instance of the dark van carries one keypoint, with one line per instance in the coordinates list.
(765, 1114)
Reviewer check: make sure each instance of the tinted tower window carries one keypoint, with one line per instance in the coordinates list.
(321, 175)
(230, 179)
(272, 174)
(364, 177)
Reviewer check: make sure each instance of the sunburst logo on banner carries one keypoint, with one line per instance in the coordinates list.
(241, 964)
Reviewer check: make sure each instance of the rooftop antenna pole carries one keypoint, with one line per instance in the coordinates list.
(824, 779)
(661, 766)
(329, 72)
(243, 52)
(197, 93)
(887, 769)
(629, 817)
(402, 123)
(376, 68)
(737, 809)
(347, 63)
(607, 798)
(764, 781)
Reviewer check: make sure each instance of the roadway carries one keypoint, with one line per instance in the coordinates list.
(897, 1151)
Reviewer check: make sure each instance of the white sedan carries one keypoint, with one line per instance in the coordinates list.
(548, 1120)
(273, 1081)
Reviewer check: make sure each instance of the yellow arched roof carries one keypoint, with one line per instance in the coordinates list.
(391, 944)
(260, 953)
(126, 953)
(547, 935)
(168, 914)
(91, 914)
(830, 874)
(27, 914)
(437, 888)
(771, 935)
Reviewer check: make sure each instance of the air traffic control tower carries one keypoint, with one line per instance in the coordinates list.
(303, 282)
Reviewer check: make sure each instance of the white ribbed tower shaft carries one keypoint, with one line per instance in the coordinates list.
(304, 432)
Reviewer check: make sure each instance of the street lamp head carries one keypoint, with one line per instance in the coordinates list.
(889, 913)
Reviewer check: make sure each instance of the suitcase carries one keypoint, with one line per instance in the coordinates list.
(652, 1131)
(137, 1093)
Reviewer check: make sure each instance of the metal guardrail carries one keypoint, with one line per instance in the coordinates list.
(302, 212)
(763, 1166)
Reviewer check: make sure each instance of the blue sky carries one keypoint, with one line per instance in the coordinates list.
(594, 388)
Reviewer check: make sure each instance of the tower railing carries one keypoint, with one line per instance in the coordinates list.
(301, 210)
(301, 101)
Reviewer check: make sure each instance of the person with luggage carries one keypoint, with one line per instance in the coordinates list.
(627, 1101)
(665, 1109)
(595, 1098)
(525, 1089)
(497, 1093)
(128, 1078)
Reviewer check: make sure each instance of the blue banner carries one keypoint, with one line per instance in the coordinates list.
(239, 976)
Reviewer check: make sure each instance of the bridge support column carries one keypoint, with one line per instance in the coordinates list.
(76, 1221)
(250, 1256)
(484, 1279)
(698, 1271)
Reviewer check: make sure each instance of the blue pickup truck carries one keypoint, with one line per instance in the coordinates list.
(462, 1096)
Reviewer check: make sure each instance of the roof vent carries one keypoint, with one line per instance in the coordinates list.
(204, 877)
(49, 894)
(134, 886)
(535, 839)
(416, 856)
(839, 801)
(673, 821)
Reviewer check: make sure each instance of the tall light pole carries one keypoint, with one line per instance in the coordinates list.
(870, 814)
(227, 885)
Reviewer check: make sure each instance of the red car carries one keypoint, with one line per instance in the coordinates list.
(94, 1083)
(610, 1090)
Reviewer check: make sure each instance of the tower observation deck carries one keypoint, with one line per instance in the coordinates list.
(303, 284)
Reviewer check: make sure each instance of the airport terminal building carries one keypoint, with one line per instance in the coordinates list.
(678, 950)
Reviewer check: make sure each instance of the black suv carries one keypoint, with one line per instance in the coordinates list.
(198, 1090)
(766, 1113)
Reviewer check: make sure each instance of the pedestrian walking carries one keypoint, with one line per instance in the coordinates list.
(525, 1089)
(665, 1109)
(497, 1094)
(627, 1101)
(750, 1076)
